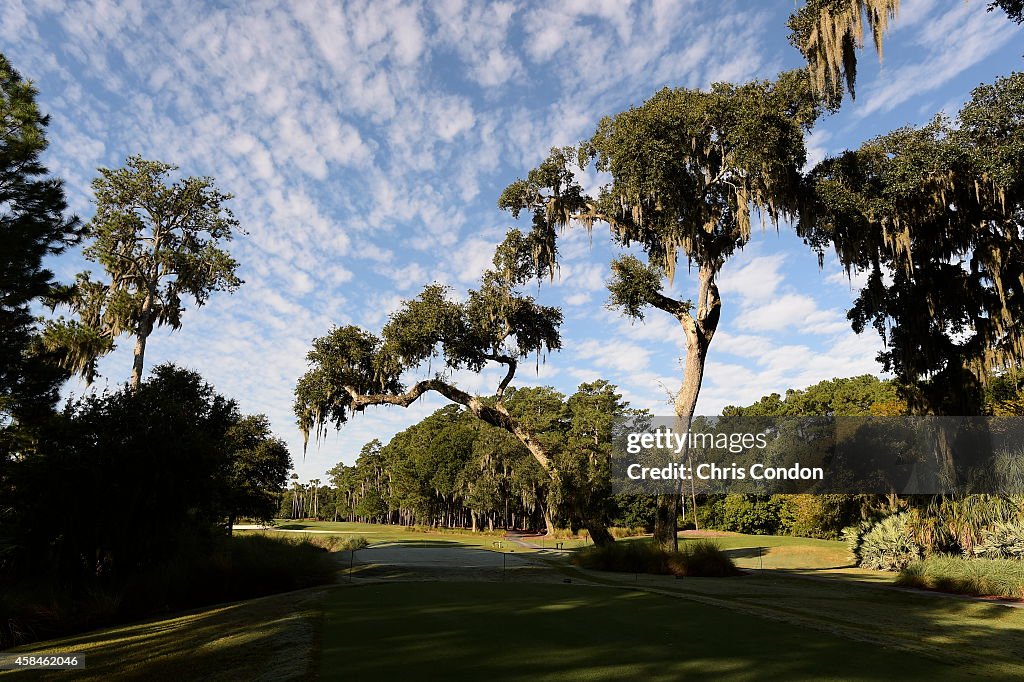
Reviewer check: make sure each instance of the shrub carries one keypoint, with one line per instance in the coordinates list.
(352, 543)
(889, 545)
(819, 516)
(622, 532)
(696, 559)
(979, 577)
(853, 536)
(751, 514)
(1001, 541)
(625, 557)
(703, 559)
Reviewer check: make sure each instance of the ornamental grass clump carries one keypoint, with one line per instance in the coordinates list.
(695, 559)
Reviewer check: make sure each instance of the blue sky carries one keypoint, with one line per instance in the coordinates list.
(366, 144)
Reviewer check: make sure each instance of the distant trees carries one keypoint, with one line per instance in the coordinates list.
(257, 469)
(157, 243)
(860, 396)
(454, 470)
(690, 170)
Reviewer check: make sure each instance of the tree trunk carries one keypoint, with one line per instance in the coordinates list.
(599, 533)
(137, 363)
(548, 523)
(665, 528)
(142, 333)
(698, 330)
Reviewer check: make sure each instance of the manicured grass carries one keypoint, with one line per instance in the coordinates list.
(762, 626)
(980, 637)
(981, 577)
(499, 631)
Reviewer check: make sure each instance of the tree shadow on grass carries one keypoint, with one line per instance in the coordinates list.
(463, 631)
(268, 638)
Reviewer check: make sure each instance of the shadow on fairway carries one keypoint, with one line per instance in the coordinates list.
(474, 631)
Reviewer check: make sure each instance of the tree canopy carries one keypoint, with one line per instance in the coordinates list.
(933, 215)
(351, 369)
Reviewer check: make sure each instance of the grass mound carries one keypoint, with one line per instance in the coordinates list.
(978, 577)
(702, 559)
(229, 569)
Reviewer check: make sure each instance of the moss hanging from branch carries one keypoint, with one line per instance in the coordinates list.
(830, 32)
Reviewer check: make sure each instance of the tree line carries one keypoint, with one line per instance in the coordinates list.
(451, 470)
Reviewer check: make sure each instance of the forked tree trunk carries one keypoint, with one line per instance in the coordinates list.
(699, 331)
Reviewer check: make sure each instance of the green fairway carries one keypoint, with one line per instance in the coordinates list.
(767, 626)
(568, 632)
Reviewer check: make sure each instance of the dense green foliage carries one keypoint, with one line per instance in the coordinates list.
(170, 453)
(147, 481)
(33, 226)
(933, 215)
(454, 470)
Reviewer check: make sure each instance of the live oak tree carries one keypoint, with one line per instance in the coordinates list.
(352, 369)
(934, 216)
(158, 243)
(689, 170)
(33, 225)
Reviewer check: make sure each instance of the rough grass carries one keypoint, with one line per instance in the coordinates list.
(238, 567)
(271, 638)
(695, 559)
(978, 577)
(376, 533)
